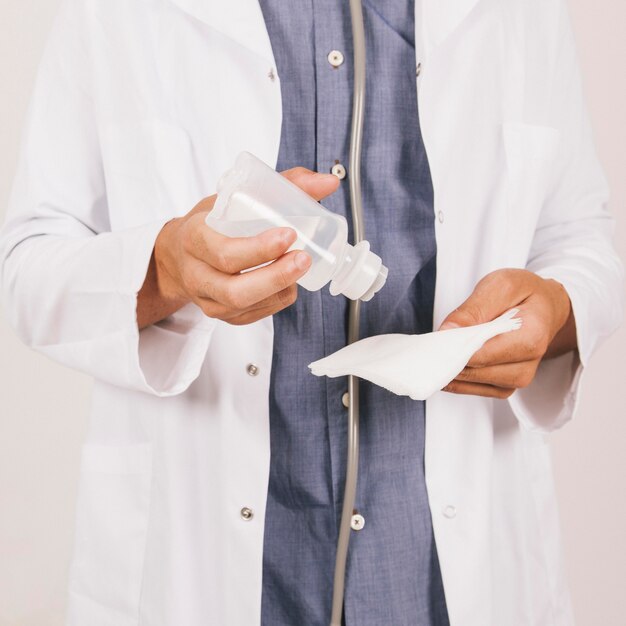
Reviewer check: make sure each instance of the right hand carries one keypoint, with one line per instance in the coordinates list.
(194, 263)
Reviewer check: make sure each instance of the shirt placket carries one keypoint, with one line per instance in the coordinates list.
(334, 76)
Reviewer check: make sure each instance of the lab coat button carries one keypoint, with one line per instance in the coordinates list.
(338, 170)
(252, 369)
(271, 74)
(449, 511)
(357, 522)
(345, 399)
(440, 217)
(246, 514)
(418, 69)
(335, 58)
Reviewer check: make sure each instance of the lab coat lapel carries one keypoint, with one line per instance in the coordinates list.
(438, 19)
(240, 20)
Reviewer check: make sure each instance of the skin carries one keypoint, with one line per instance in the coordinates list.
(193, 263)
(509, 361)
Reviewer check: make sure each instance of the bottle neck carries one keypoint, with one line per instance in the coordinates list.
(359, 274)
(345, 263)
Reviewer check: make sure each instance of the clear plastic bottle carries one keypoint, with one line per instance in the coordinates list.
(252, 197)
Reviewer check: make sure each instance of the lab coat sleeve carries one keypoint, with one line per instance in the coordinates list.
(573, 245)
(69, 284)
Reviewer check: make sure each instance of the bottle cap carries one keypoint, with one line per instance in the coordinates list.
(361, 275)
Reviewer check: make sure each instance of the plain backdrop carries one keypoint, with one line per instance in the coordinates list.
(43, 406)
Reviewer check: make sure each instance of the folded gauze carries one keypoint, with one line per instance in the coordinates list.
(414, 365)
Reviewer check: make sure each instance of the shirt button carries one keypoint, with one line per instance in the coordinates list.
(338, 170)
(449, 511)
(440, 217)
(357, 522)
(345, 399)
(418, 69)
(252, 369)
(335, 58)
(246, 514)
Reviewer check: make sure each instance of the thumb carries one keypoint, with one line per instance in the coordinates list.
(317, 185)
(495, 294)
(465, 315)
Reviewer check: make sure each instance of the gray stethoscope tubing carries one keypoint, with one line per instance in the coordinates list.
(352, 466)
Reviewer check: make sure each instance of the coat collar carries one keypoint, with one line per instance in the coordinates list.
(240, 20)
(436, 20)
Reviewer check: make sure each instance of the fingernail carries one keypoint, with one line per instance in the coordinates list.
(327, 176)
(286, 235)
(302, 260)
(449, 325)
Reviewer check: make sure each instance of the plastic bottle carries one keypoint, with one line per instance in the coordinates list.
(252, 197)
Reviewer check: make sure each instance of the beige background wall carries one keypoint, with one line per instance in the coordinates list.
(42, 406)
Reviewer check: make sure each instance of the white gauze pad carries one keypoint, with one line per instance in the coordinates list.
(414, 365)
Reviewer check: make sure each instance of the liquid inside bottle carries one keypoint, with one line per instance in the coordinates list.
(252, 198)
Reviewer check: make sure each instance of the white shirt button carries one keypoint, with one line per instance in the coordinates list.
(252, 369)
(335, 58)
(357, 522)
(338, 170)
(345, 399)
(449, 511)
(440, 217)
(246, 514)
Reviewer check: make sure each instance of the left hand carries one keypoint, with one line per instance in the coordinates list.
(509, 361)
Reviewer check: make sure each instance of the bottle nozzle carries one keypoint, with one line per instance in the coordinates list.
(361, 275)
(377, 285)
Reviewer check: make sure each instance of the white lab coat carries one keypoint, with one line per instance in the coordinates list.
(139, 106)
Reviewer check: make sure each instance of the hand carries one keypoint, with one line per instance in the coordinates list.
(193, 263)
(509, 361)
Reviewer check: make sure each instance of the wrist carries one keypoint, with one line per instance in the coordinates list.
(164, 265)
(562, 305)
(565, 339)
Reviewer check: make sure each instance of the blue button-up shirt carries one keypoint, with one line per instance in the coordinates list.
(393, 573)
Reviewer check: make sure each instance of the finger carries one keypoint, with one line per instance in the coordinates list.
(243, 291)
(268, 307)
(215, 310)
(509, 375)
(495, 294)
(232, 255)
(475, 389)
(526, 344)
(255, 315)
(317, 185)
(277, 302)
(204, 206)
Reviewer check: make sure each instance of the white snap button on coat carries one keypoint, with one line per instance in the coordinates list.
(345, 399)
(440, 217)
(271, 74)
(246, 514)
(338, 170)
(449, 511)
(357, 522)
(335, 58)
(252, 369)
